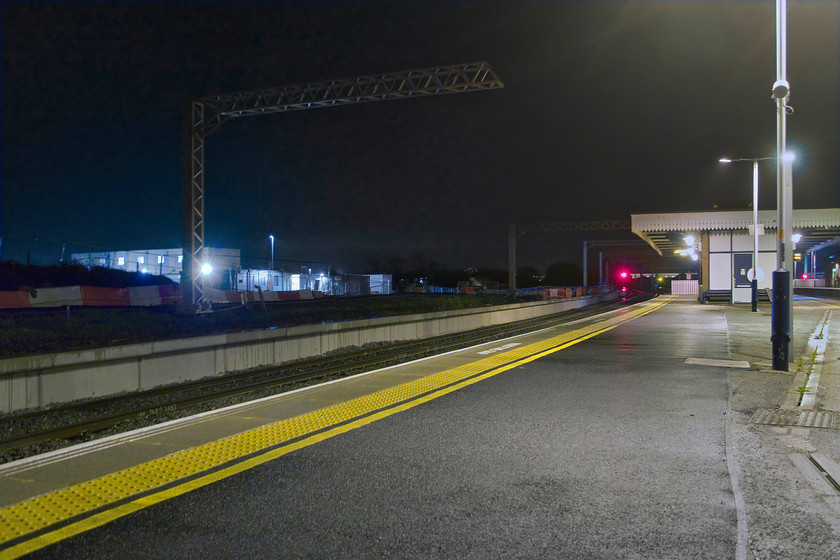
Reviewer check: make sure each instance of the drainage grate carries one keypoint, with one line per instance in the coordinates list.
(802, 418)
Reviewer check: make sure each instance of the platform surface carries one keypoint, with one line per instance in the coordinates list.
(606, 437)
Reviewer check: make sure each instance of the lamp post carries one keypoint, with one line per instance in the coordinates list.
(271, 266)
(782, 312)
(754, 280)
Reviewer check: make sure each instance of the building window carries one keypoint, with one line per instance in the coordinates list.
(120, 261)
(160, 259)
(180, 258)
(102, 261)
(141, 260)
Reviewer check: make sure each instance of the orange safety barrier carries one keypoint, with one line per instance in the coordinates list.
(105, 296)
(141, 296)
(169, 294)
(11, 300)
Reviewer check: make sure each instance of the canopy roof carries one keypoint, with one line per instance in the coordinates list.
(819, 228)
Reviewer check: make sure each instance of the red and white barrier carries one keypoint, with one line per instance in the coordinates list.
(111, 297)
(140, 296)
(147, 296)
(14, 300)
(56, 297)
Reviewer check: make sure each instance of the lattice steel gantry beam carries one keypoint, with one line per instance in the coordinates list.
(203, 116)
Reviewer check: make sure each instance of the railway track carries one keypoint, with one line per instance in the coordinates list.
(35, 432)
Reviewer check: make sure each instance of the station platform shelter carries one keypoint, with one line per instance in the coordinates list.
(723, 245)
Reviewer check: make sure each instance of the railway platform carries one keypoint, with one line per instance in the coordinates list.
(60, 504)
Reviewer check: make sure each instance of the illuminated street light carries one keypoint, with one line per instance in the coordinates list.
(207, 269)
(271, 237)
(782, 311)
(754, 280)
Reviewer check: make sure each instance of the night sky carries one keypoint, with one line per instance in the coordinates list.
(608, 109)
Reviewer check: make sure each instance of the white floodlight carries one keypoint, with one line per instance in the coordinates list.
(207, 269)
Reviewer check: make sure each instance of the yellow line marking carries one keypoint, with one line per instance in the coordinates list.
(37, 514)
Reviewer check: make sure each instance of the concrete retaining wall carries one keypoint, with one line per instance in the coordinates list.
(39, 381)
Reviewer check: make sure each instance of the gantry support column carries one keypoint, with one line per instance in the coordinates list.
(511, 259)
(205, 115)
(193, 197)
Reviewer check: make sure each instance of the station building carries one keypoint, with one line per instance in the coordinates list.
(249, 280)
(162, 262)
(228, 273)
(723, 245)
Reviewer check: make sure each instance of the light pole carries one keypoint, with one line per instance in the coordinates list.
(754, 280)
(271, 237)
(782, 311)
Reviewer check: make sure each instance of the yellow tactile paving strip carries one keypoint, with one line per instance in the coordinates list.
(121, 493)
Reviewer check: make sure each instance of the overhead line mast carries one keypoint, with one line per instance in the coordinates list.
(205, 115)
(514, 231)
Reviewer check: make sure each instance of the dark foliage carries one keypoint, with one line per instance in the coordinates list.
(563, 274)
(55, 330)
(18, 276)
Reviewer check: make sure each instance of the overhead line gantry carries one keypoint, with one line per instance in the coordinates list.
(205, 115)
(515, 231)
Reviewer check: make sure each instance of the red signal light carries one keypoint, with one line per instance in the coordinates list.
(623, 275)
(804, 276)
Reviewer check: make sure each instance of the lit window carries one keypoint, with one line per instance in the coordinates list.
(160, 259)
(120, 261)
(102, 260)
(141, 260)
(180, 258)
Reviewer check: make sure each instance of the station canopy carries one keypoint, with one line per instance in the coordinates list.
(819, 228)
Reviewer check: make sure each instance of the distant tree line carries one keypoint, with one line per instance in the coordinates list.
(411, 270)
(17, 276)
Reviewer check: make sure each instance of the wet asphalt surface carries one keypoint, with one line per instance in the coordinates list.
(612, 448)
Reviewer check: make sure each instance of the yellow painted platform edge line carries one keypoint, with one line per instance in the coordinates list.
(618, 320)
(370, 404)
(105, 517)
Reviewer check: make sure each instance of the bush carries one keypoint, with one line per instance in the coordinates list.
(16, 276)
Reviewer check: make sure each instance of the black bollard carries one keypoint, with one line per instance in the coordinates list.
(780, 322)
